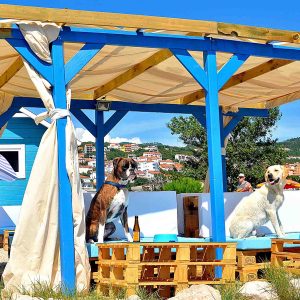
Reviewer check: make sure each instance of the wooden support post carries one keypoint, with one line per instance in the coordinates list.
(229, 256)
(66, 233)
(181, 273)
(223, 151)
(100, 167)
(132, 270)
(277, 246)
(214, 153)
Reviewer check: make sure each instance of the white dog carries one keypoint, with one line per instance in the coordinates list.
(260, 206)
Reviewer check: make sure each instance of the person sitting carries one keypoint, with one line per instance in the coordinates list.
(243, 186)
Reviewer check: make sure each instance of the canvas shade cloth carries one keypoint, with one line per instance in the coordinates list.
(167, 82)
(35, 251)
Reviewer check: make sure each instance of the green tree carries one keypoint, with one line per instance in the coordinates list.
(113, 153)
(250, 150)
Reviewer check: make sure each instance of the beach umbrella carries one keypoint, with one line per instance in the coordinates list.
(290, 184)
(7, 173)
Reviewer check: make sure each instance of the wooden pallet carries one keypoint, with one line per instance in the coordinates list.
(250, 263)
(165, 267)
(281, 255)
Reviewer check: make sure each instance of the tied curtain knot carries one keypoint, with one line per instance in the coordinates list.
(54, 114)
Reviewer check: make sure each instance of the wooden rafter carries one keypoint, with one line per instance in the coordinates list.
(11, 71)
(133, 72)
(282, 99)
(261, 69)
(98, 19)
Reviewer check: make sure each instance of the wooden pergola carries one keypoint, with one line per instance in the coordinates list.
(149, 64)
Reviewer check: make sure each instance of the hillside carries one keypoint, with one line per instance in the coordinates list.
(293, 145)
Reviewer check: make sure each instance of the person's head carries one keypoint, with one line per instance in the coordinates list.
(241, 178)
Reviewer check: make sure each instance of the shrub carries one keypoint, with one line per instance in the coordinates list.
(184, 185)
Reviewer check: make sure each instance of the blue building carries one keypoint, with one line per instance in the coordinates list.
(19, 144)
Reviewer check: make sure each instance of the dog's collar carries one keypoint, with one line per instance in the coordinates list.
(117, 185)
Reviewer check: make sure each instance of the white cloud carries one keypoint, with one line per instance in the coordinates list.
(83, 135)
(135, 140)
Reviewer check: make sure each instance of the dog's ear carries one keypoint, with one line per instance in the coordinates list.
(134, 163)
(266, 175)
(285, 172)
(116, 162)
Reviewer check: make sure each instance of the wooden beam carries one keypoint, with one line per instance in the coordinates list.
(99, 19)
(239, 78)
(133, 72)
(277, 101)
(11, 71)
(5, 30)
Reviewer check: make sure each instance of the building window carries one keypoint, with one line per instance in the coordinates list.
(15, 154)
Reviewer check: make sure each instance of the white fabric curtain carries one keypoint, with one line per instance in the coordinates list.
(35, 252)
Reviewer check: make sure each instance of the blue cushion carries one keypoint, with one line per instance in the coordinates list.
(242, 244)
(260, 242)
(165, 238)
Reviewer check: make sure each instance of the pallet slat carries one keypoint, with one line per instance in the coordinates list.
(162, 265)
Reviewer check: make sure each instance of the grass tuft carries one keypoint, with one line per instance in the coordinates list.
(280, 281)
(144, 294)
(230, 291)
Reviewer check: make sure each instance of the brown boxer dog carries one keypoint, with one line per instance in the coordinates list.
(111, 202)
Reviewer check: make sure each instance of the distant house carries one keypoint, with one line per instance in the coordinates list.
(182, 157)
(89, 148)
(151, 148)
(148, 166)
(152, 174)
(130, 147)
(153, 155)
(19, 144)
(85, 169)
(114, 146)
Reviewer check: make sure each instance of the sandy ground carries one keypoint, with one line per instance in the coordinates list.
(3, 260)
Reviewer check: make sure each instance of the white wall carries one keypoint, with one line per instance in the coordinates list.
(157, 212)
(289, 212)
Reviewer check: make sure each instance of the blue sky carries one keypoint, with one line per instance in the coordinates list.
(275, 14)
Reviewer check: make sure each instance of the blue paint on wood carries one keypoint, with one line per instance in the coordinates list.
(100, 175)
(140, 107)
(24, 50)
(231, 125)
(223, 153)
(5, 117)
(113, 121)
(162, 41)
(214, 154)
(20, 131)
(85, 121)
(80, 59)
(66, 231)
(191, 66)
(234, 63)
(214, 149)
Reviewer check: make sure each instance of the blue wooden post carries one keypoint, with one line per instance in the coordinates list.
(100, 167)
(214, 148)
(214, 154)
(223, 151)
(66, 231)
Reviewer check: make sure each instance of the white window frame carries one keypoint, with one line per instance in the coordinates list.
(20, 148)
